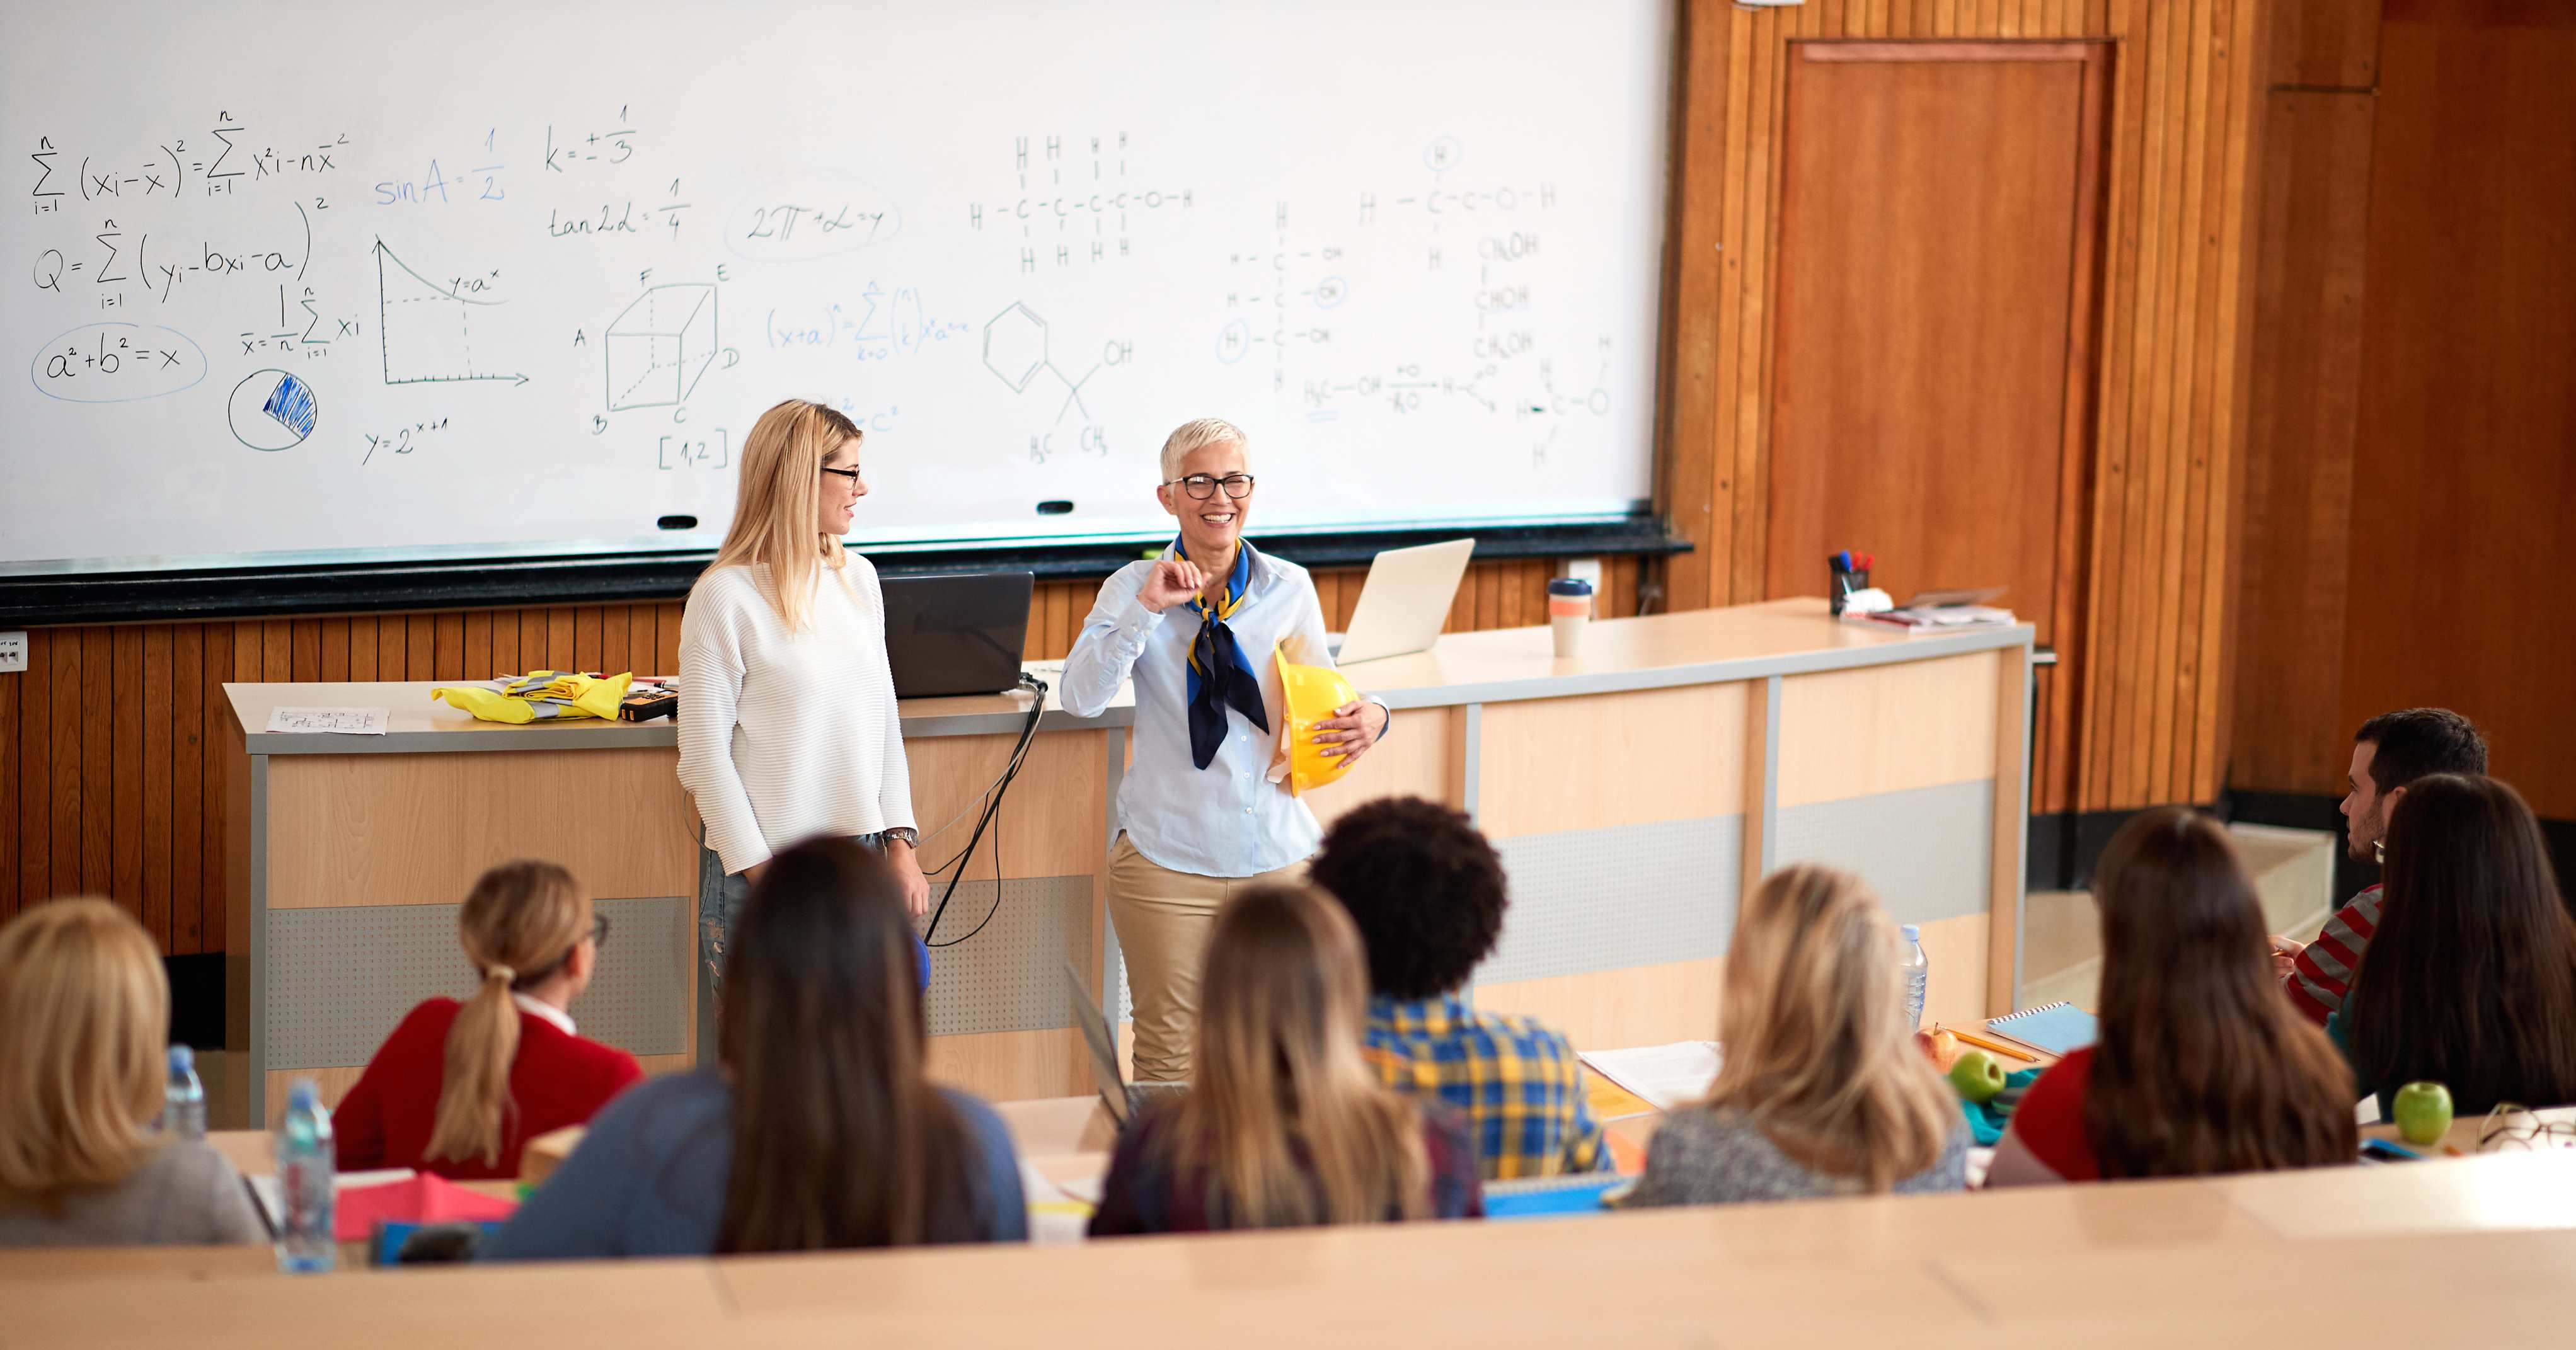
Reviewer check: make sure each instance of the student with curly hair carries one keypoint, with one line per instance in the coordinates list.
(1427, 894)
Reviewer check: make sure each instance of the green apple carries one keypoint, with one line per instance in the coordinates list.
(1978, 1077)
(2423, 1112)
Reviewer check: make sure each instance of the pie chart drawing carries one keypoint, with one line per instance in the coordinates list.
(272, 410)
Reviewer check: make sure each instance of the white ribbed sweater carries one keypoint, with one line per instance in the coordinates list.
(785, 736)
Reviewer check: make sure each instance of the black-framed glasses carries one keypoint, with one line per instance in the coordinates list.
(851, 474)
(1201, 487)
(598, 931)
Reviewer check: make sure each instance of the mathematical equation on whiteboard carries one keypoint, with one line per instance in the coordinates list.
(127, 258)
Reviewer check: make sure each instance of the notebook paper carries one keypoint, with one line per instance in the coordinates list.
(2055, 1027)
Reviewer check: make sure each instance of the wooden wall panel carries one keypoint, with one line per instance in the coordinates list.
(2466, 448)
(2302, 409)
(2417, 431)
(2170, 369)
(112, 776)
(2325, 44)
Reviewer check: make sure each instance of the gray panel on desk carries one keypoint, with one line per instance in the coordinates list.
(1926, 851)
(1615, 897)
(1009, 977)
(340, 979)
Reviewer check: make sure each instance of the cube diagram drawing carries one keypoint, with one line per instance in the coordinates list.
(661, 345)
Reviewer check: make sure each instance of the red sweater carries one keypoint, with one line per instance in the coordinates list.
(2050, 1118)
(558, 1079)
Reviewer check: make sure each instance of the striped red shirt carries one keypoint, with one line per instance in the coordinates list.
(2323, 973)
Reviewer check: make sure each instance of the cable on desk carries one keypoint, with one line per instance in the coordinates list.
(989, 819)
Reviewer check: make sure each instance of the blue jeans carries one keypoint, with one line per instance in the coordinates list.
(720, 897)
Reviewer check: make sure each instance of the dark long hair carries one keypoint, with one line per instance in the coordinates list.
(2202, 1067)
(2470, 979)
(838, 1139)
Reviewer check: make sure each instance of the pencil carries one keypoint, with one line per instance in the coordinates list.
(1983, 1044)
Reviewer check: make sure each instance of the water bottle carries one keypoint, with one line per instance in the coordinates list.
(1918, 976)
(183, 1102)
(306, 1160)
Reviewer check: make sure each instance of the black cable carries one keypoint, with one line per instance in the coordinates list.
(990, 818)
(997, 890)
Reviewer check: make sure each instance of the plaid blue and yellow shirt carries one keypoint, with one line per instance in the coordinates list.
(1518, 1083)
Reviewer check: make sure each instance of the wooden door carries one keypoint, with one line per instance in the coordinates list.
(1931, 349)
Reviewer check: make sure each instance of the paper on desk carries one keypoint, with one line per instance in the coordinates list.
(1056, 1214)
(271, 1193)
(1664, 1075)
(339, 721)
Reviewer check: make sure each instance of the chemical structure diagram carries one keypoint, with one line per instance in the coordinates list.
(1499, 369)
(1100, 195)
(1016, 350)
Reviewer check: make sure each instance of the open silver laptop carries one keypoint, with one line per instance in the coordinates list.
(1405, 600)
(1125, 1100)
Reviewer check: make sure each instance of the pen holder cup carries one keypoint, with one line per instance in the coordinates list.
(1841, 585)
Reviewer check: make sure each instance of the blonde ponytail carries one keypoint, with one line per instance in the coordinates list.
(520, 916)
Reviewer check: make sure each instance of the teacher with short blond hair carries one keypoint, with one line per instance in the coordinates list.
(1202, 814)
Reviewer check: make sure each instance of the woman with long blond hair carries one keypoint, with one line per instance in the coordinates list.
(1285, 1124)
(2200, 1067)
(1821, 1091)
(83, 1007)
(789, 729)
(459, 1087)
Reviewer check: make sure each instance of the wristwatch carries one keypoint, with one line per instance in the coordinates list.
(905, 833)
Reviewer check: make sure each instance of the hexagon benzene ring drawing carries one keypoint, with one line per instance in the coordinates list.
(1015, 346)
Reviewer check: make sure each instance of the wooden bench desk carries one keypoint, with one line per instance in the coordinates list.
(1684, 754)
(2479, 1251)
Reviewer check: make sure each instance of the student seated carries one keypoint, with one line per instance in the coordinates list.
(2389, 753)
(459, 1087)
(83, 1007)
(1283, 1124)
(1427, 894)
(818, 1129)
(2201, 1067)
(2471, 980)
(1820, 1089)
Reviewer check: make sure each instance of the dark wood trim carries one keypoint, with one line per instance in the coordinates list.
(515, 583)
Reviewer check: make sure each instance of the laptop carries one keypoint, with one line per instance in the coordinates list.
(1125, 1100)
(1405, 600)
(957, 633)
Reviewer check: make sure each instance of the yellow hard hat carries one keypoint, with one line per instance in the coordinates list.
(1311, 694)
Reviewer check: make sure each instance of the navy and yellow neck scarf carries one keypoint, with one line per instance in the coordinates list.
(1220, 676)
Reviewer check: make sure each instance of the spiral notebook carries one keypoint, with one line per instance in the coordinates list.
(2053, 1027)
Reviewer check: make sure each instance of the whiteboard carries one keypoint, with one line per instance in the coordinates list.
(325, 281)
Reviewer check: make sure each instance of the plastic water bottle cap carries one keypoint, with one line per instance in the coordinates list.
(303, 1094)
(182, 1059)
(1912, 933)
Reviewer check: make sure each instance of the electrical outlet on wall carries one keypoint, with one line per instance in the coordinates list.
(13, 652)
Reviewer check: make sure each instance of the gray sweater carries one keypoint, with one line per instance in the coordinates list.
(649, 1178)
(1704, 1156)
(184, 1194)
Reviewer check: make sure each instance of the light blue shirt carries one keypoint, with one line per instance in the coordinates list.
(1228, 819)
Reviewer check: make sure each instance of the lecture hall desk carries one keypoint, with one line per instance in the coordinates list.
(1635, 793)
(2475, 1251)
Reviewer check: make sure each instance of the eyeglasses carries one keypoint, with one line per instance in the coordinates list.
(598, 930)
(851, 474)
(1201, 487)
(2513, 1125)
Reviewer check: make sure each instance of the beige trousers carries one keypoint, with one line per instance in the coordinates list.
(1163, 919)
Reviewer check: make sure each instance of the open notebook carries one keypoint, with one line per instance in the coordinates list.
(2053, 1027)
